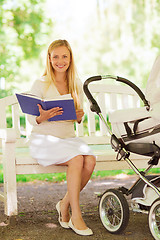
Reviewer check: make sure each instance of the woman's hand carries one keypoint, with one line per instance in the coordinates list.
(46, 114)
(80, 114)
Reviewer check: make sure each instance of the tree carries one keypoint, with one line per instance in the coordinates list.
(24, 30)
(123, 39)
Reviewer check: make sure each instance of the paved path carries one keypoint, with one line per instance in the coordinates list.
(37, 219)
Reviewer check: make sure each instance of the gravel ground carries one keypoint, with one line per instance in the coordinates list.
(37, 218)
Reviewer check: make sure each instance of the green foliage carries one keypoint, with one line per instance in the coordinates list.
(123, 40)
(24, 30)
(31, 27)
(5, 93)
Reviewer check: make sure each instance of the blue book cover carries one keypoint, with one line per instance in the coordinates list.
(28, 104)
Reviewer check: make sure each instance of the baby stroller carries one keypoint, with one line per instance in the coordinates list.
(139, 134)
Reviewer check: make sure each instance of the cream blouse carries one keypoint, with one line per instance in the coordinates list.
(60, 129)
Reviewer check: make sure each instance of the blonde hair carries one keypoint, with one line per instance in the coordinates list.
(71, 74)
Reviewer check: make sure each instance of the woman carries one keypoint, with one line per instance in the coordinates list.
(54, 142)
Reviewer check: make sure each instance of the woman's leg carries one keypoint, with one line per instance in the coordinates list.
(80, 169)
(74, 176)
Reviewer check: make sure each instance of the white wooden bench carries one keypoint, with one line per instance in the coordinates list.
(15, 161)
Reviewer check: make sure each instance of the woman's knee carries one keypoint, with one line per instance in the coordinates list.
(77, 161)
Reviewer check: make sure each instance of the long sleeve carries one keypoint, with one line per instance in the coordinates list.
(37, 90)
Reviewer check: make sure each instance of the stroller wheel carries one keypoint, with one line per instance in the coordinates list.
(114, 211)
(154, 219)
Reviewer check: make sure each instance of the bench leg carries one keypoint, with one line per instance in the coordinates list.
(10, 186)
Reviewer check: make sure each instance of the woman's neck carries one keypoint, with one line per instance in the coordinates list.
(61, 83)
(60, 77)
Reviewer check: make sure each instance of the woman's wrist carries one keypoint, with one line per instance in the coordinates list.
(38, 119)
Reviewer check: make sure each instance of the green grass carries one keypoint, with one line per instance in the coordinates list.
(60, 177)
(50, 177)
(109, 173)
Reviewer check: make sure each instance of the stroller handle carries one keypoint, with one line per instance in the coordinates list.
(138, 91)
(94, 106)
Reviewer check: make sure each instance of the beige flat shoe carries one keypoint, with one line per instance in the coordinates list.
(63, 224)
(85, 232)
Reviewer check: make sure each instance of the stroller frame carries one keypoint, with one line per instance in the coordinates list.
(123, 152)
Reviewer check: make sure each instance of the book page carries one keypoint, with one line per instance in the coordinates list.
(61, 97)
(29, 95)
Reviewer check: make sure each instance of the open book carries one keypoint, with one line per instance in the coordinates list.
(28, 104)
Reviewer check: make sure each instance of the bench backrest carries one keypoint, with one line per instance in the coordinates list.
(109, 97)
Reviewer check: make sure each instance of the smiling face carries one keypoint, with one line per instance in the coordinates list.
(60, 59)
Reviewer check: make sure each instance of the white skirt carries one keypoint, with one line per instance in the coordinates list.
(48, 150)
